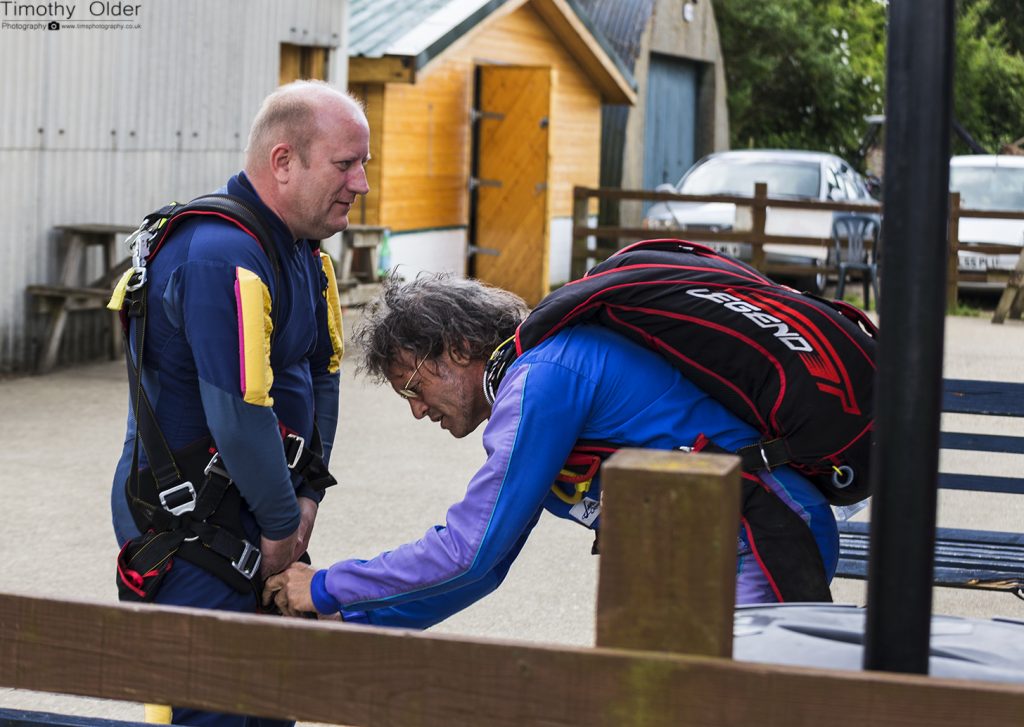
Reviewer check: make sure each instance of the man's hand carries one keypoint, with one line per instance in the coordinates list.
(290, 590)
(277, 554)
(309, 509)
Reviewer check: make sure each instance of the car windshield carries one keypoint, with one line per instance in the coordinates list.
(989, 188)
(731, 176)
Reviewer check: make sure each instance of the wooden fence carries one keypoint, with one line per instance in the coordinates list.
(611, 238)
(664, 640)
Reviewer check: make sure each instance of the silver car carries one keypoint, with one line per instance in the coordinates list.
(789, 174)
(988, 182)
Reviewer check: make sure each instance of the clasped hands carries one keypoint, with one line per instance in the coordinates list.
(286, 582)
(289, 590)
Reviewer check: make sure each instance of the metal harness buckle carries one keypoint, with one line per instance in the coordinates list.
(138, 243)
(214, 466)
(298, 451)
(137, 280)
(242, 565)
(182, 506)
(842, 476)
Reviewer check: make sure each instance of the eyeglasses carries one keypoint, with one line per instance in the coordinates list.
(405, 392)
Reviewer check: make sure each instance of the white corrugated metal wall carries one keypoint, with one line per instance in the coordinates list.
(101, 126)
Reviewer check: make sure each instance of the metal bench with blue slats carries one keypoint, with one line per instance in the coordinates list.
(24, 718)
(964, 558)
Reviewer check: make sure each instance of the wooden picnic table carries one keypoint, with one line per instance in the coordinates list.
(72, 292)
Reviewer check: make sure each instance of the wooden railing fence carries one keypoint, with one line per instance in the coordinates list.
(611, 238)
(664, 635)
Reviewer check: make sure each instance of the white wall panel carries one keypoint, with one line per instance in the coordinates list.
(560, 249)
(431, 251)
(100, 126)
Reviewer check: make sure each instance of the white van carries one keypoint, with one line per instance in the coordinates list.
(988, 182)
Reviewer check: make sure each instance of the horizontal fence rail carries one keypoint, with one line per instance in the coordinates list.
(609, 238)
(335, 673)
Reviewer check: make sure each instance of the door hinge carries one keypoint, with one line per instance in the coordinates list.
(476, 114)
(475, 182)
(477, 250)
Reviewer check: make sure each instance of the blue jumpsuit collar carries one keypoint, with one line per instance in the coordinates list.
(240, 186)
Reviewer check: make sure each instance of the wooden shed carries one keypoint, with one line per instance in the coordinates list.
(483, 114)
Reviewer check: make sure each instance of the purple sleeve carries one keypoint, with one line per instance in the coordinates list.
(425, 612)
(535, 421)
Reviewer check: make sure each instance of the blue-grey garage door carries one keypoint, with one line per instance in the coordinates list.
(671, 128)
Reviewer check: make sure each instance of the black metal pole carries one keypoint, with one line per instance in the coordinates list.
(911, 311)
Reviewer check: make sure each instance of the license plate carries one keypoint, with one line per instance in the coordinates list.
(975, 263)
(983, 263)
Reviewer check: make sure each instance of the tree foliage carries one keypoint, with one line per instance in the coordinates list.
(802, 74)
(988, 97)
(805, 73)
(1010, 13)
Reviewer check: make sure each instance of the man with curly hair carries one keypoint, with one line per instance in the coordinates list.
(443, 344)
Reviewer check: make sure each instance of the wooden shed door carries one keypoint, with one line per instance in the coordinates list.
(510, 230)
(302, 61)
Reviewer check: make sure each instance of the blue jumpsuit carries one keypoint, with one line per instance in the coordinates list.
(214, 366)
(584, 383)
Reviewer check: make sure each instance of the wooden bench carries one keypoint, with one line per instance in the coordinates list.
(964, 558)
(26, 718)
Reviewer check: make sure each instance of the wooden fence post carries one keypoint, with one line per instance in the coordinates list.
(668, 552)
(953, 264)
(760, 216)
(580, 208)
(1011, 302)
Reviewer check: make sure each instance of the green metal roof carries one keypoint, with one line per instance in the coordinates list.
(423, 29)
(410, 27)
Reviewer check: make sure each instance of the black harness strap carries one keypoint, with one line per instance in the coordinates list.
(185, 503)
(783, 545)
(307, 459)
(182, 514)
(766, 455)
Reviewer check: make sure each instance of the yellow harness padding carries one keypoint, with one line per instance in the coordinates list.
(581, 489)
(255, 327)
(577, 473)
(157, 714)
(117, 297)
(334, 323)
